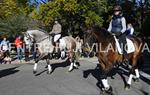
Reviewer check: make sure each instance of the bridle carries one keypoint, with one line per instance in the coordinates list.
(29, 37)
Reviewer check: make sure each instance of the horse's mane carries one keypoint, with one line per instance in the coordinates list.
(40, 30)
(103, 33)
(43, 31)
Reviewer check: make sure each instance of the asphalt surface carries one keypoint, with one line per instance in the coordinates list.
(18, 79)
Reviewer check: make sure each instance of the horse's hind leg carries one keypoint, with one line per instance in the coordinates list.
(72, 58)
(107, 88)
(35, 68)
(137, 75)
(48, 66)
(133, 70)
(71, 65)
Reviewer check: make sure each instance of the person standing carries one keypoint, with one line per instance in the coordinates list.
(19, 46)
(5, 49)
(130, 30)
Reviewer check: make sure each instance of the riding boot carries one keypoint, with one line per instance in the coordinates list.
(124, 49)
(57, 53)
(125, 58)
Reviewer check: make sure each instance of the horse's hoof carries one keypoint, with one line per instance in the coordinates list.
(106, 91)
(109, 91)
(76, 66)
(62, 58)
(46, 66)
(34, 72)
(136, 80)
(49, 72)
(127, 87)
(70, 70)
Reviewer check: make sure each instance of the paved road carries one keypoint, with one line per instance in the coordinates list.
(17, 79)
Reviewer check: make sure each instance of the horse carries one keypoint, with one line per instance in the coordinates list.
(109, 56)
(46, 47)
(1, 56)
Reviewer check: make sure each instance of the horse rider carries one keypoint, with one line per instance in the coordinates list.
(56, 34)
(117, 26)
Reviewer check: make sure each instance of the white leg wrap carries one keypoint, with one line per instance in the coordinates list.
(63, 54)
(49, 68)
(105, 83)
(71, 67)
(75, 65)
(130, 79)
(35, 67)
(137, 73)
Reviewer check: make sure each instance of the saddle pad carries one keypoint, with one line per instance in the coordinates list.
(62, 44)
(130, 46)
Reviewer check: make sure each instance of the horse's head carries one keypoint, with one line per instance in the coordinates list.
(28, 38)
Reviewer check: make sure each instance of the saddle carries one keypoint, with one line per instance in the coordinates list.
(58, 40)
(130, 45)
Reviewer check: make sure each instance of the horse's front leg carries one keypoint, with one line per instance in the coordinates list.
(49, 66)
(36, 62)
(106, 87)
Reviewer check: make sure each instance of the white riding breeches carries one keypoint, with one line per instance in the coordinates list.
(56, 37)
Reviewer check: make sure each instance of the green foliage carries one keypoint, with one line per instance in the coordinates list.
(72, 13)
(14, 26)
(15, 15)
(8, 8)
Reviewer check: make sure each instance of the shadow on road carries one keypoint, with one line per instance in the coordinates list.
(62, 64)
(55, 66)
(8, 71)
(96, 73)
(144, 93)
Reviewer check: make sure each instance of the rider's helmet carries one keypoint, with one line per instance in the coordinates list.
(117, 8)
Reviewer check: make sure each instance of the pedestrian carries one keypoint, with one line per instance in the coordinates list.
(19, 46)
(130, 30)
(5, 50)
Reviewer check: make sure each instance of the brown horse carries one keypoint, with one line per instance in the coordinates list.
(109, 57)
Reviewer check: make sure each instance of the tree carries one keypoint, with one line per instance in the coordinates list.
(15, 25)
(73, 14)
(8, 8)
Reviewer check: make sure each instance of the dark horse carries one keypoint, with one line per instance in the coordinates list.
(108, 58)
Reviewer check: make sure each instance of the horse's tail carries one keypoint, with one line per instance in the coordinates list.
(140, 42)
